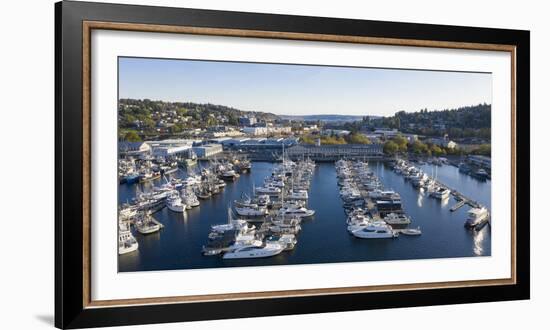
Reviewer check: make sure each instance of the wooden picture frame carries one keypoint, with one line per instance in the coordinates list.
(74, 307)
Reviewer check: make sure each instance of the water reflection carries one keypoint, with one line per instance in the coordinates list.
(420, 198)
(479, 237)
(444, 202)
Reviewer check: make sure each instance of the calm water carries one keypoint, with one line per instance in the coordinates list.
(324, 238)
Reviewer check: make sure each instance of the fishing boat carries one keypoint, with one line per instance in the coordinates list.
(131, 177)
(187, 162)
(126, 213)
(190, 199)
(204, 193)
(126, 241)
(148, 175)
(146, 225)
(174, 203)
(191, 181)
(229, 175)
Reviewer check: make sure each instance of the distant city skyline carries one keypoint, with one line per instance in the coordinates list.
(287, 89)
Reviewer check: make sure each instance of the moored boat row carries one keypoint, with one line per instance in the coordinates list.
(478, 215)
(372, 211)
(267, 222)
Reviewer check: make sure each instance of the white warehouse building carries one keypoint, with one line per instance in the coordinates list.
(168, 151)
(208, 150)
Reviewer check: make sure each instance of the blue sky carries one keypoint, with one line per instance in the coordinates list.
(299, 89)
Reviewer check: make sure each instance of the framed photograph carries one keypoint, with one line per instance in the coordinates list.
(214, 164)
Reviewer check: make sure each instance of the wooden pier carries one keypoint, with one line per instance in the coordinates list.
(458, 205)
(461, 198)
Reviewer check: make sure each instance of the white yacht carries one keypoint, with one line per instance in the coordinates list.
(192, 180)
(397, 219)
(293, 204)
(411, 231)
(358, 224)
(147, 226)
(263, 200)
(288, 241)
(441, 193)
(269, 190)
(126, 241)
(190, 199)
(248, 209)
(239, 225)
(285, 229)
(229, 175)
(252, 251)
(242, 240)
(375, 230)
(476, 216)
(301, 212)
(283, 221)
(127, 213)
(174, 203)
(298, 195)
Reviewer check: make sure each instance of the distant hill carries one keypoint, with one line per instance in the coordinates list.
(325, 118)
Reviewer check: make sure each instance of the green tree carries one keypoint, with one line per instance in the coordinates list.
(358, 138)
(390, 147)
(484, 149)
(419, 148)
(436, 150)
(132, 136)
(401, 142)
(307, 139)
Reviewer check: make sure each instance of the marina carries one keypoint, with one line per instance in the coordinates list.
(293, 212)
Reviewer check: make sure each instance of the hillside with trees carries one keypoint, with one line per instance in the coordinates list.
(148, 115)
(464, 122)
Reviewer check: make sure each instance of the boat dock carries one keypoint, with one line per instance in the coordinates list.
(157, 222)
(458, 205)
(410, 171)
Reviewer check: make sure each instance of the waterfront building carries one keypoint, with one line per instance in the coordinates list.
(170, 147)
(133, 148)
(233, 142)
(171, 151)
(336, 151)
(255, 130)
(247, 121)
(481, 161)
(227, 133)
(279, 130)
(208, 150)
(386, 133)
